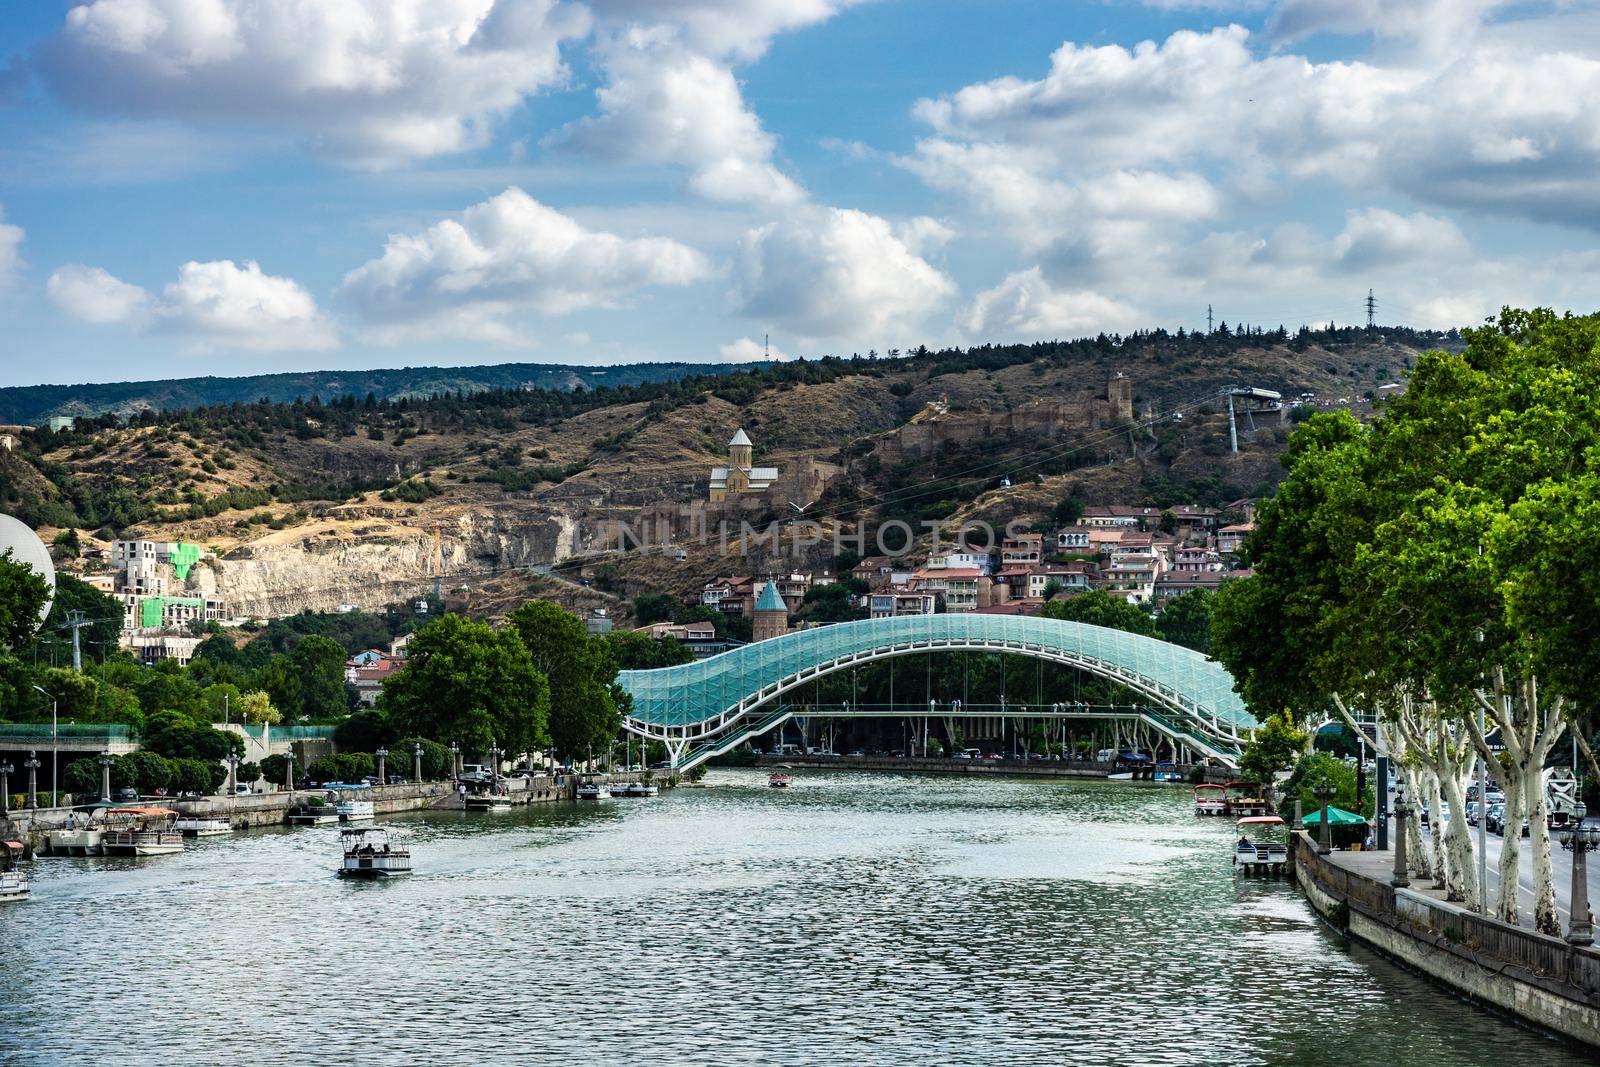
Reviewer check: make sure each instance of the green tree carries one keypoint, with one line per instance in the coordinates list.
(177, 736)
(641, 652)
(1068, 511)
(365, 731)
(1275, 746)
(1099, 608)
(1186, 620)
(468, 683)
(23, 592)
(584, 716)
(1169, 521)
(655, 607)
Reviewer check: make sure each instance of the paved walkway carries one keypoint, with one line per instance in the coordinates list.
(1380, 866)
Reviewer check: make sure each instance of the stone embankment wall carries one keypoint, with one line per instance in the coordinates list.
(1540, 980)
(1008, 768)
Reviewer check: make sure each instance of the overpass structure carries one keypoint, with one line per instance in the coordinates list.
(707, 707)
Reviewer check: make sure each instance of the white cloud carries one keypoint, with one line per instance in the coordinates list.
(510, 253)
(367, 82)
(1026, 307)
(663, 103)
(212, 305)
(746, 350)
(1383, 239)
(1495, 122)
(94, 295)
(741, 29)
(11, 237)
(834, 273)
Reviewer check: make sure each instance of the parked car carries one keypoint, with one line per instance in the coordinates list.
(1494, 818)
(127, 793)
(241, 790)
(856, 753)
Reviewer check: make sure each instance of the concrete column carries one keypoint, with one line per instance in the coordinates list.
(233, 774)
(383, 765)
(416, 764)
(32, 763)
(5, 788)
(1402, 876)
(105, 777)
(288, 770)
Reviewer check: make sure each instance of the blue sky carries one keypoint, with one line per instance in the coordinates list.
(238, 186)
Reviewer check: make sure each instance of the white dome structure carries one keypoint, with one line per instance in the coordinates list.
(25, 547)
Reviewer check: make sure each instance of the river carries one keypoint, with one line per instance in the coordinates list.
(852, 919)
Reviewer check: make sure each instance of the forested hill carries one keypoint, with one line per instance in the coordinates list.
(31, 404)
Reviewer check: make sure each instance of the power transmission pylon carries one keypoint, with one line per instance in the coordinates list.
(1372, 307)
(1210, 320)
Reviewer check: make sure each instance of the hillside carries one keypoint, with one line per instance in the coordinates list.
(314, 504)
(29, 405)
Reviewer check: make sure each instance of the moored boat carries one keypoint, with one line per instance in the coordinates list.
(780, 779)
(1244, 799)
(354, 810)
(1265, 853)
(1167, 771)
(141, 832)
(368, 853)
(81, 836)
(203, 826)
(13, 882)
(593, 791)
(1210, 799)
(489, 802)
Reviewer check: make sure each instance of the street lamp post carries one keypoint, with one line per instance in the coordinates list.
(1402, 811)
(55, 745)
(1580, 840)
(1324, 792)
(383, 765)
(416, 763)
(288, 770)
(5, 788)
(105, 776)
(233, 774)
(32, 763)
(455, 759)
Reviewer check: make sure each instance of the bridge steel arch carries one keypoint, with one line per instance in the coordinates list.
(714, 700)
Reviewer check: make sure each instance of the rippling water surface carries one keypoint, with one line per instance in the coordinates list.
(852, 919)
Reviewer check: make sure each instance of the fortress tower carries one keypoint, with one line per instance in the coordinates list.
(1119, 392)
(771, 615)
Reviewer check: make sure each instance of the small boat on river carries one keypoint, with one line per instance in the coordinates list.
(203, 826)
(368, 853)
(1244, 799)
(354, 810)
(1167, 771)
(593, 791)
(13, 882)
(1267, 851)
(81, 836)
(141, 832)
(489, 802)
(780, 779)
(1210, 799)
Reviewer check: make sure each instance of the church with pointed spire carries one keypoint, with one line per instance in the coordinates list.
(741, 475)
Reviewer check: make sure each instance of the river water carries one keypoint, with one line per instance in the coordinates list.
(852, 919)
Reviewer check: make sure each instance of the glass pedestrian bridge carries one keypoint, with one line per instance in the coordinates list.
(717, 702)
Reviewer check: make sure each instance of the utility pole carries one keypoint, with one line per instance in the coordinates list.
(1372, 307)
(1210, 320)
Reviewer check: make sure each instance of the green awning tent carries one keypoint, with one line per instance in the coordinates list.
(1336, 817)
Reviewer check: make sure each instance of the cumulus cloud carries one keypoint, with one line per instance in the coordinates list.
(10, 249)
(746, 350)
(835, 273)
(1025, 306)
(1494, 124)
(664, 103)
(367, 82)
(741, 29)
(211, 305)
(510, 253)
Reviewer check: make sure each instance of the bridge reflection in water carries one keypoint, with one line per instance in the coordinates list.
(704, 708)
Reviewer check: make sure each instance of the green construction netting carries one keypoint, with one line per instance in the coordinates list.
(694, 692)
(182, 557)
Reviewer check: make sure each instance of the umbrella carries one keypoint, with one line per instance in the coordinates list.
(1336, 817)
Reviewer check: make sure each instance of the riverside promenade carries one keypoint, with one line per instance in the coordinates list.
(1542, 981)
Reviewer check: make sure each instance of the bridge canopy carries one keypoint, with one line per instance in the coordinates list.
(1198, 688)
